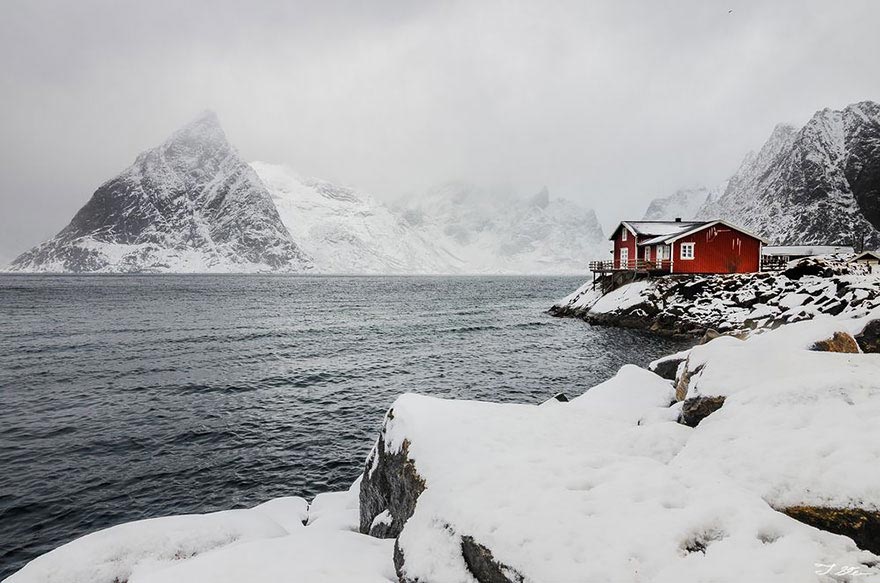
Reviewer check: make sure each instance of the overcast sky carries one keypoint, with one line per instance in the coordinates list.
(608, 103)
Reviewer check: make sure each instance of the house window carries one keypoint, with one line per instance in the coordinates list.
(647, 253)
(623, 234)
(687, 250)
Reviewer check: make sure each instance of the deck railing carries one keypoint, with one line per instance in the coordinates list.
(630, 265)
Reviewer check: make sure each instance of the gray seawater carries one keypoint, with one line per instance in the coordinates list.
(127, 397)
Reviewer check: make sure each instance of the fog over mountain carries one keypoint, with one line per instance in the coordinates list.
(192, 205)
(605, 103)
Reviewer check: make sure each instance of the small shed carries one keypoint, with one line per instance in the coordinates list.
(869, 258)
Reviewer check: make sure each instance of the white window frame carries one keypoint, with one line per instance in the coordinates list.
(687, 251)
(624, 234)
(648, 253)
(624, 257)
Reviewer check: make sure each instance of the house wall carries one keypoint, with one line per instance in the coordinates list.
(718, 249)
(619, 243)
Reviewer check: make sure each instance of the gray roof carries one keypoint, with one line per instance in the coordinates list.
(658, 228)
(867, 255)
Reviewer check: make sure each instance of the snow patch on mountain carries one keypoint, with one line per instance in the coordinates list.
(347, 231)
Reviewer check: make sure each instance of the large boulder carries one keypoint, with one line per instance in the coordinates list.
(578, 491)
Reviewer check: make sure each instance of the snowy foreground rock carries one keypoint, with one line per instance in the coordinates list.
(778, 481)
(285, 539)
(692, 304)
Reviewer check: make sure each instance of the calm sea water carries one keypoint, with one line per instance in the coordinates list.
(126, 397)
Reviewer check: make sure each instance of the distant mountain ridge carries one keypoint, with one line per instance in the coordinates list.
(819, 184)
(193, 205)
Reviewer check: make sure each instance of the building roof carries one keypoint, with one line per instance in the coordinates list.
(655, 228)
(805, 250)
(867, 255)
(660, 232)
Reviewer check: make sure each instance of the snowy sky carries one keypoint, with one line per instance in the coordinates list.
(610, 103)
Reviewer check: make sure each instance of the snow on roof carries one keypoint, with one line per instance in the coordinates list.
(867, 255)
(655, 228)
(805, 250)
(671, 231)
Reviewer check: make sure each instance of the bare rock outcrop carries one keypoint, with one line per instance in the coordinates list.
(389, 489)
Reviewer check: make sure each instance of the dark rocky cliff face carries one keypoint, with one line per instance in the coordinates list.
(816, 185)
(191, 204)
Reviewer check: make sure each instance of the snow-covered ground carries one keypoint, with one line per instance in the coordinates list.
(268, 543)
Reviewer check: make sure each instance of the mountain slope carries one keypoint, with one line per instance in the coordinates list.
(816, 185)
(188, 205)
(491, 232)
(347, 231)
(684, 203)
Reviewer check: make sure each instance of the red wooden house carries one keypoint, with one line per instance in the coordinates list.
(682, 247)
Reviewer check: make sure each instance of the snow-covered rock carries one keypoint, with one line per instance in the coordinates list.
(799, 427)
(189, 205)
(819, 184)
(267, 543)
(692, 304)
(306, 555)
(113, 554)
(583, 491)
(336, 510)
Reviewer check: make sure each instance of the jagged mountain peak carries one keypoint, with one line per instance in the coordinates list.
(189, 204)
(819, 184)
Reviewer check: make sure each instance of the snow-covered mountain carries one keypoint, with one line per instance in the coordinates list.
(193, 205)
(454, 228)
(189, 205)
(819, 184)
(492, 232)
(347, 231)
(684, 203)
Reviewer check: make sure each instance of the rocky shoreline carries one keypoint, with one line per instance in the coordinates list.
(686, 306)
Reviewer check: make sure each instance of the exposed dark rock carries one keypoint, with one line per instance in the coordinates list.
(869, 338)
(667, 368)
(839, 342)
(390, 482)
(863, 526)
(483, 566)
(696, 409)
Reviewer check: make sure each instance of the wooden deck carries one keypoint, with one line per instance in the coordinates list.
(637, 265)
